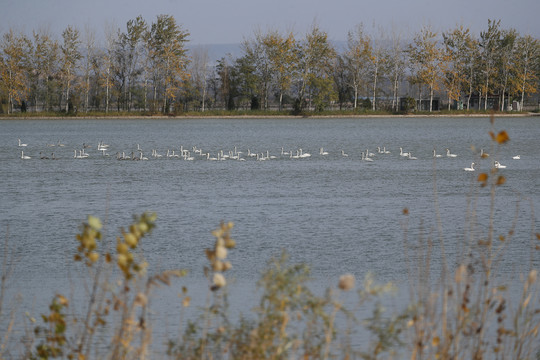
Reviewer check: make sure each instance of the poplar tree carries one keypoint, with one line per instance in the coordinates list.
(459, 47)
(315, 57)
(168, 57)
(426, 55)
(282, 60)
(357, 57)
(527, 56)
(489, 43)
(13, 68)
(70, 57)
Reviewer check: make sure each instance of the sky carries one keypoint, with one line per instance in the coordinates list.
(232, 21)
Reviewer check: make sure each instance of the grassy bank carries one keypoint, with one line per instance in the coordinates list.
(256, 114)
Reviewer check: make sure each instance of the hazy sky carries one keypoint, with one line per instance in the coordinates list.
(230, 21)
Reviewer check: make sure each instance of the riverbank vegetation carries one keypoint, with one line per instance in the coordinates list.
(149, 69)
(455, 310)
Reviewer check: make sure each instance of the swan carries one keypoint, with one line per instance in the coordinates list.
(81, 155)
(20, 144)
(369, 154)
(304, 155)
(366, 158)
(412, 157)
(43, 157)
(343, 153)
(499, 166)
(385, 151)
(322, 152)
(448, 154)
(24, 157)
(401, 153)
(517, 157)
(60, 144)
(470, 168)
(483, 154)
(435, 155)
(141, 157)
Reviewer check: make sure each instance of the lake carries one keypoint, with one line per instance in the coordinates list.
(340, 214)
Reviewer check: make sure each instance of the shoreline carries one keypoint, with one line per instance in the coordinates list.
(243, 116)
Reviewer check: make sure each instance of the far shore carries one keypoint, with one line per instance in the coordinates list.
(273, 116)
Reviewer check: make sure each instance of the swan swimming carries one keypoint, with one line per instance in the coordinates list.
(24, 157)
(366, 158)
(343, 153)
(20, 144)
(401, 153)
(517, 157)
(448, 154)
(435, 155)
(499, 166)
(483, 154)
(322, 152)
(470, 169)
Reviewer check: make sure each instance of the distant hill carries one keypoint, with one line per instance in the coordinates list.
(218, 51)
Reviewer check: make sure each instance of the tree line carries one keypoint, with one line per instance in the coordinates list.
(148, 68)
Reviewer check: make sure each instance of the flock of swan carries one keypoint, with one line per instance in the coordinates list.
(196, 153)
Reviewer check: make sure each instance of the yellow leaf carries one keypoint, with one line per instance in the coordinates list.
(502, 137)
(94, 222)
(436, 341)
(501, 180)
(482, 177)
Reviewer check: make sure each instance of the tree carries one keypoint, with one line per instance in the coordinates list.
(376, 63)
(506, 62)
(168, 56)
(357, 57)
(89, 60)
(342, 81)
(395, 66)
(459, 47)
(489, 42)
(13, 67)
(43, 63)
(315, 57)
(282, 59)
(527, 54)
(70, 57)
(256, 56)
(426, 55)
(199, 74)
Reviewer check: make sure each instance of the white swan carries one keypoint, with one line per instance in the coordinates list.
(435, 155)
(24, 157)
(499, 166)
(343, 153)
(304, 155)
(20, 144)
(401, 153)
(470, 169)
(448, 154)
(517, 157)
(322, 152)
(412, 157)
(366, 158)
(385, 151)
